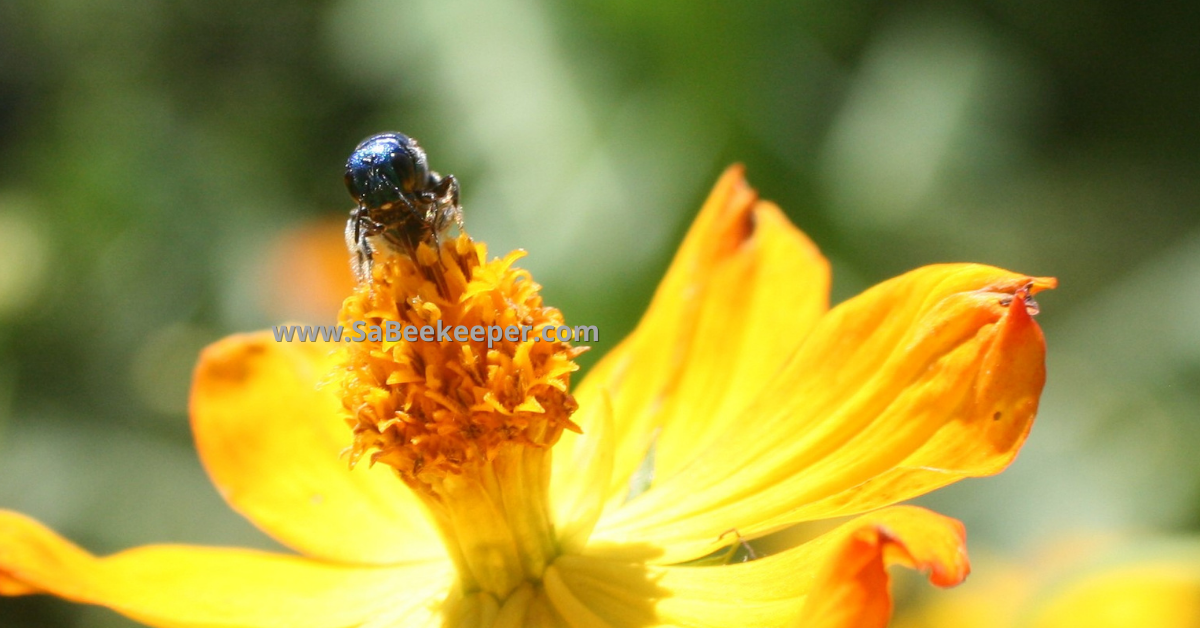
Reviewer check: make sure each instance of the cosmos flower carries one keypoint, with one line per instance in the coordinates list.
(488, 492)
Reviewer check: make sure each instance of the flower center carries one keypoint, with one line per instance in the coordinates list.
(463, 400)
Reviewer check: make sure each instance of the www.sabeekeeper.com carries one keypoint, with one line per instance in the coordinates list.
(393, 331)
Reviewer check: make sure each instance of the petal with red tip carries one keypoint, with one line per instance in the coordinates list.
(837, 580)
(743, 291)
(923, 380)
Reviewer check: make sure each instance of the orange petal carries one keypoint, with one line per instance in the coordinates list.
(192, 587)
(308, 273)
(919, 382)
(744, 290)
(852, 591)
(271, 441)
(838, 579)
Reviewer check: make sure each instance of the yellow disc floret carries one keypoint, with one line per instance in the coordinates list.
(429, 407)
(467, 423)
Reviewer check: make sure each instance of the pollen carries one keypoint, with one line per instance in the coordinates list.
(439, 407)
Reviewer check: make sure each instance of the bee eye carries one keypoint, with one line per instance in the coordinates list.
(385, 166)
(410, 165)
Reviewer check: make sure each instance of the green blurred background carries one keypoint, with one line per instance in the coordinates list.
(156, 158)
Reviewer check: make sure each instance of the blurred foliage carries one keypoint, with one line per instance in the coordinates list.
(157, 160)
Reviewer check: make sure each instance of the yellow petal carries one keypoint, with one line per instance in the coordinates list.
(1093, 584)
(920, 381)
(271, 441)
(1164, 593)
(541, 614)
(194, 587)
(574, 496)
(838, 579)
(744, 290)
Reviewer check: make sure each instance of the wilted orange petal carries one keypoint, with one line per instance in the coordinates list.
(271, 441)
(837, 579)
(896, 392)
(742, 292)
(192, 587)
(853, 589)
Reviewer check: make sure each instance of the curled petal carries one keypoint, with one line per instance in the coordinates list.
(192, 587)
(852, 591)
(921, 381)
(836, 580)
(271, 441)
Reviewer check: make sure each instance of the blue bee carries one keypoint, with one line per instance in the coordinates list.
(399, 199)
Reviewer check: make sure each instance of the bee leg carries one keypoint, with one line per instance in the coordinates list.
(354, 245)
(448, 207)
(359, 229)
(360, 249)
(365, 258)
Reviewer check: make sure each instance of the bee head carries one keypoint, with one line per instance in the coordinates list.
(385, 167)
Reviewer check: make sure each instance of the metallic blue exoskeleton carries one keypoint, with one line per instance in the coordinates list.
(399, 198)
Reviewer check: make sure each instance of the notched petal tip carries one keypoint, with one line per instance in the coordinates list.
(919, 382)
(1025, 294)
(738, 215)
(730, 208)
(743, 273)
(732, 217)
(1043, 283)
